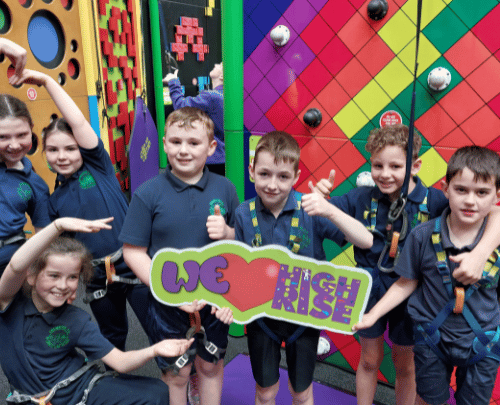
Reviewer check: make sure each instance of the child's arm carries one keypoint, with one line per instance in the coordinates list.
(124, 362)
(217, 227)
(472, 264)
(398, 292)
(354, 231)
(17, 269)
(82, 131)
(138, 260)
(17, 55)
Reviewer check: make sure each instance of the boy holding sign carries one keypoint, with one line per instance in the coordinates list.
(185, 207)
(279, 215)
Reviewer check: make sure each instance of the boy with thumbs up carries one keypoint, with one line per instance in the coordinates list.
(279, 215)
(185, 207)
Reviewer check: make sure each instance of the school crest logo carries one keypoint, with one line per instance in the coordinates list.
(58, 337)
(86, 180)
(24, 191)
(220, 203)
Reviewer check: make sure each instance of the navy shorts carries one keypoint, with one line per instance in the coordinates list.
(400, 323)
(165, 322)
(474, 382)
(265, 354)
(126, 389)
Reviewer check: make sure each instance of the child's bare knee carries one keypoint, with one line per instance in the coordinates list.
(207, 368)
(266, 394)
(303, 397)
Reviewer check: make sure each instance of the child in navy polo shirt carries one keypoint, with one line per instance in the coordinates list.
(22, 190)
(88, 189)
(452, 322)
(40, 331)
(185, 207)
(271, 218)
(370, 205)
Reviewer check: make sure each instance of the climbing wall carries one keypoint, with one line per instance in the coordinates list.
(120, 77)
(354, 69)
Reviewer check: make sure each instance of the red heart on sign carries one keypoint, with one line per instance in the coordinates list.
(250, 284)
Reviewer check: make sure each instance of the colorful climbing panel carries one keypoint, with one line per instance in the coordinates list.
(353, 69)
(120, 77)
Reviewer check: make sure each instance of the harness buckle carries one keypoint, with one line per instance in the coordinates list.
(182, 361)
(211, 348)
(99, 294)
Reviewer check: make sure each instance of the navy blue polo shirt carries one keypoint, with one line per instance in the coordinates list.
(312, 229)
(38, 350)
(357, 204)
(21, 191)
(418, 262)
(93, 192)
(166, 212)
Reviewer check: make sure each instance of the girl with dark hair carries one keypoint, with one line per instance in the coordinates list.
(88, 189)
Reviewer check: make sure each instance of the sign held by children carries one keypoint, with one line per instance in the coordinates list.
(267, 281)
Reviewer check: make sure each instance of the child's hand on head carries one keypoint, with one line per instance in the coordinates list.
(17, 55)
(172, 347)
(325, 186)
(195, 306)
(33, 77)
(170, 76)
(316, 204)
(82, 225)
(225, 315)
(216, 225)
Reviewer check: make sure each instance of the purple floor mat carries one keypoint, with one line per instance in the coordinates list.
(239, 387)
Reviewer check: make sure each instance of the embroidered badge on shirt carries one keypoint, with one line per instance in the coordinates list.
(220, 203)
(58, 337)
(24, 190)
(86, 180)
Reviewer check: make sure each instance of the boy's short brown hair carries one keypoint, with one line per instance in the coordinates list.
(392, 135)
(483, 162)
(185, 116)
(282, 146)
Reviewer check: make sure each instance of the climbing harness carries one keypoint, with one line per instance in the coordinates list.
(293, 245)
(485, 343)
(111, 276)
(195, 329)
(43, 398)
(397, 237)
(12, 239)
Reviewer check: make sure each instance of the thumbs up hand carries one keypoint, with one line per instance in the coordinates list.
(325, 186)
(216, 225)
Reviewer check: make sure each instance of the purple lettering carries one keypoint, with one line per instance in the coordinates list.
(209, 275)
(346, 297)
(286, 288)
(323, 284)
(305, 287)
(169, 276)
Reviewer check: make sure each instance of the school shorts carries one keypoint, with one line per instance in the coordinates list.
(166, 322)
(265, 354)
(126, 389)
(474, 382)
(400, 323)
